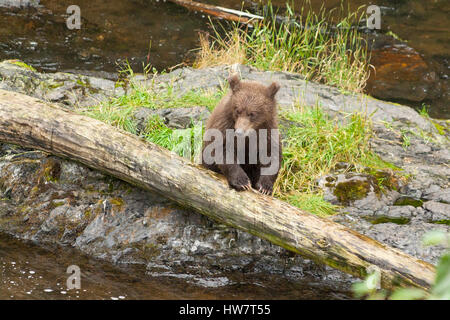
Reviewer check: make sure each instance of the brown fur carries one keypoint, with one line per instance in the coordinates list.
(248, 105)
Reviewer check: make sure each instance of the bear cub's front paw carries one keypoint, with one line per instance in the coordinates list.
(239, 181)
(265, 185)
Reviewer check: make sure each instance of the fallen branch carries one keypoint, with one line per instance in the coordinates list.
(219, 12)
(32, 123)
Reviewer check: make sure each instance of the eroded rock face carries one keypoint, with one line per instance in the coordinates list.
(403, 211)
(48, 199)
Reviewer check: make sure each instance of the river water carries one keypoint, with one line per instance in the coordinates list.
(28, 271)
(165, 35)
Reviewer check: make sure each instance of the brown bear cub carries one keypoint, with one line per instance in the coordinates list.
(241, 140)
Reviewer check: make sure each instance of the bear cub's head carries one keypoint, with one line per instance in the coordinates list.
(253, 105)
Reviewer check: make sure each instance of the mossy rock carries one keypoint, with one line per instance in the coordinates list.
(408, 201)
(384, 219)
(51, 170)
(349, 191)
(117, 203)
(443, 221)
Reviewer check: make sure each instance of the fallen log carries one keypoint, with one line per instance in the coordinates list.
(32, 123)
(216, 11)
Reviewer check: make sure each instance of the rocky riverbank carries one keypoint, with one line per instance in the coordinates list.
(52, 200)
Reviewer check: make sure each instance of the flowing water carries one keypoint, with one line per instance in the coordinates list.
(164, 34)
(28, 271)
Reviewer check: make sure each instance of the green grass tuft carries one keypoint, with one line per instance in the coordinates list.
(323, 50)
(22, 65)
(313, 145)
(310, 202)
(119, 112)
(140, 96)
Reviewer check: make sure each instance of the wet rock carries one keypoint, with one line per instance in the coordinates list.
(407, 238)
(423, 215)
(64, 221)
(177, 118)
(400, 73)
(109, 219)
(408, 201)
(64, 88)
(402, 233)
(431, 190)
(19, 3)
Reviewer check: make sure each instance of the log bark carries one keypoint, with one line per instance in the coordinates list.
(219, 12)
(29, 122)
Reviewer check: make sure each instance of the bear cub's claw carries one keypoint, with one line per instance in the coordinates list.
(265, 186)
(240, 182)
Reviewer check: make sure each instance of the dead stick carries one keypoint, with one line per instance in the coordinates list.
(220, 12)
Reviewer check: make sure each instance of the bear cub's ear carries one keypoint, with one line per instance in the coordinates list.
(234, 82)
(273, 89)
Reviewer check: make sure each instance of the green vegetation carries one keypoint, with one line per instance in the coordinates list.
(351, 190)
(316, 46)
(313, 145)
(441, 129)
(309, 201)
(395, 36)
(382, 219)
(119, 112)
(444, 221)
(408, 201)
(424, 113)
(424, 110)
(140, 96)
(406, 139)
(22, 64)
(440, 290)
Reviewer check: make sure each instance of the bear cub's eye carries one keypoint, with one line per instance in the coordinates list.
(252, 115)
